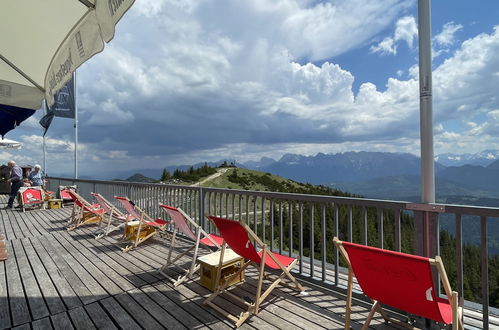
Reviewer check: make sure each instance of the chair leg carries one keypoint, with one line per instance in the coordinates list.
(106, 231)
(195, 255)
(455, 311)
(209, 301)
(172, 246)
(259, 296)
(373, 310)
(137, 237)
(348, 309)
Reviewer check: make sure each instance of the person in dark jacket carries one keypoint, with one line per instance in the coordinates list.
(16, 181)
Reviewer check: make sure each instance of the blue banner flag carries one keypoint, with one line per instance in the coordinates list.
(64, 105)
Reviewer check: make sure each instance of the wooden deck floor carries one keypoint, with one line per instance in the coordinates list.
(54, 279)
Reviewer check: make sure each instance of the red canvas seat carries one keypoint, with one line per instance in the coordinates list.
(146, 228)
(83, 212)
(31, 197)
(156, 222)
(188, 227)
(238, 236)
(63, 193)
(399, 280)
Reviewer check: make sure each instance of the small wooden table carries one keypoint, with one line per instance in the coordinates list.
(232, 262)
(54, 203)
(132, 227)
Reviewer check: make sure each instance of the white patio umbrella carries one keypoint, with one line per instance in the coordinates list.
(9, 144)
(44, 41)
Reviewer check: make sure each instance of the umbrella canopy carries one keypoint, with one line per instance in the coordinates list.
(43, 42)
(10, 117)
(9, 144)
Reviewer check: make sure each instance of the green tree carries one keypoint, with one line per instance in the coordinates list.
(166, 175)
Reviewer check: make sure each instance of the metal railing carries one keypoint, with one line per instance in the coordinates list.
(304, 225)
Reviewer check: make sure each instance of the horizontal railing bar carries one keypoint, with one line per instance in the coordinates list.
(354, 201)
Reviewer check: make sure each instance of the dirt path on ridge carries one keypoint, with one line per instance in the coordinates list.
(211, 177)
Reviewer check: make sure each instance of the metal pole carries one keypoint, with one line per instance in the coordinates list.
(75, 125)
(429, 219)
(44, 159)
(44, 150)
(425, 106)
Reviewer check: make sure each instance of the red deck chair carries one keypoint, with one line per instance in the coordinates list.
(399, 280)
(31, 197)
(184, 224)
(83, 212)
(139, 226)
(114, 220)
(238, 237)
(63, 193)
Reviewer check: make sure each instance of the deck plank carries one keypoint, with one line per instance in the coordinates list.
(128, 260)
(80, 319)
(49, 291)
(99, 317)
(17, 299)
(61, 321)
(141, 312)
(64, 288)
(65, 264)
(163, 309)
(42, 324)
(105, 274)
(7, 222)
(5, 320)
(25, 326)
(31, 289)
(118, 314)
(98, 283)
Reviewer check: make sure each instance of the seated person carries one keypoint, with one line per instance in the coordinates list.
(35, 177)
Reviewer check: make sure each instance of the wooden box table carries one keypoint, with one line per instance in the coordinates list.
(54, 203)
(209, 264)
(132, 228)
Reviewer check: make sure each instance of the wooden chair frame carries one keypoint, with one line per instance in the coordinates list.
(115, 220)
(253, 307)
(83, 212)
(197, 236)
(146, 224)
(452, 296)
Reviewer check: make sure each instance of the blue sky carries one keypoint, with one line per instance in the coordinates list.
(185, 81)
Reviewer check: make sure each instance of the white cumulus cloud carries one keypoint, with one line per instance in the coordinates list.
(405, 30)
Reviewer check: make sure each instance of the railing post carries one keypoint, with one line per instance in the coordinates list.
(427, 241)
(484, 251)
(459, 255)
(201, 208)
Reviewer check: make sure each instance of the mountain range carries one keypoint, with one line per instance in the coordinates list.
(394, 175)
(465, 178)
(483, 158)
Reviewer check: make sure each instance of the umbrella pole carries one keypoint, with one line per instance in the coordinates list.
(76, 126)
(426, 108)
(44, 161)
(43, 144)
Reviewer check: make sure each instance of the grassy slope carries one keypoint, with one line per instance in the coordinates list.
(223, 181)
